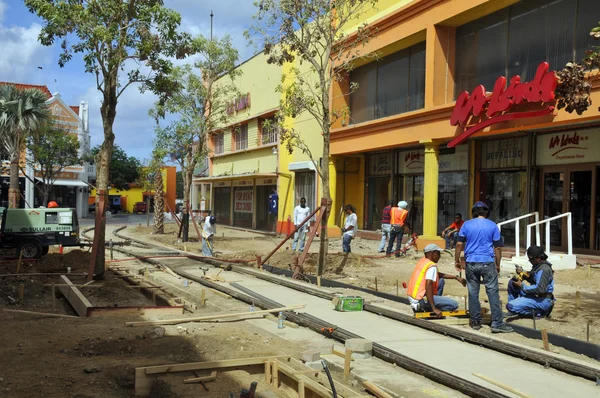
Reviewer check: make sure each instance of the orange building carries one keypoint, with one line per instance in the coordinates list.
(511, 148)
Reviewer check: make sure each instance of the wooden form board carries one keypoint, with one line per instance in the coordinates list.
(135, 311)
(74, 296)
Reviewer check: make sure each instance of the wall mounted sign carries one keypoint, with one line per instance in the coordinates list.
(579, 146)
(238, 104)
(380, 164)
(505, 153)
(411, 162)
(496, 108)
(242, 202)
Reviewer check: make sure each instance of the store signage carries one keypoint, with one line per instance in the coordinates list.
(218, 184)
(242, 183)
(266, 181)
(569, 147)
(412, 162)
(504, 153)
(380, 164)
(238, 104)
(243, 201)
(497, 107)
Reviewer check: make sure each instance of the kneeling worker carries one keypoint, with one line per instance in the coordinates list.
(208, 233)
(537, 296)
(426, 284)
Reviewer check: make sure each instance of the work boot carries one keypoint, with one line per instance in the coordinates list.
(475, 325)
(504, 328)
(510, 314)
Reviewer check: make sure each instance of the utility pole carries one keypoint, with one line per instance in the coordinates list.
(211, 23)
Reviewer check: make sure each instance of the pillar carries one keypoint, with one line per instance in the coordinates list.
(333, 228)
(430, 194)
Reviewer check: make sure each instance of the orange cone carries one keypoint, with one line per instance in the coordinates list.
(60, 249)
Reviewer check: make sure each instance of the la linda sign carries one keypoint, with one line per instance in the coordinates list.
(497, 106)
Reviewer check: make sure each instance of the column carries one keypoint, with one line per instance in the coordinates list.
(333, 229)
(430, 193)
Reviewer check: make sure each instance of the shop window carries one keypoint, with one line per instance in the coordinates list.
(394, 85)
(219, 141)
(269, 131)
(240, 134)
(515, 40)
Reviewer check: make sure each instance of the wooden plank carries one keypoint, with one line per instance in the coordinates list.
(193, 366)
(545, 339)
(212, 377)
(375, 390)
(74, 296)
(312, 385)
(39, 274)
(136, 311)
(275, 374)
(268, 365)
(501, 385)
(301, 389)
(347, 359)
(37, 313)
(218, 293)
(212, 317)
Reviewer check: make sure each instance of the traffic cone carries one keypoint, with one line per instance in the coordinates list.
(60, 249)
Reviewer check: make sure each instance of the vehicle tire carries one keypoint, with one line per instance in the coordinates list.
(30, 248)
(45, 250)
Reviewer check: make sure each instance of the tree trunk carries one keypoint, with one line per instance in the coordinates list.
(45, 196)
(108, 112)
(324, 245)
(185, 218)
(14, 191)
(159, 204)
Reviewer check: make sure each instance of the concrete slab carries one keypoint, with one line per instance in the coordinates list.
(448, 354)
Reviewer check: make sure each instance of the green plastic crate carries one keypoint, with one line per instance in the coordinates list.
(348, 303)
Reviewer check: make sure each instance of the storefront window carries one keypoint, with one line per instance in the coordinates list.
(452, 197)
(222, 208)
(515, 40)
(379, 171)
(394, 85)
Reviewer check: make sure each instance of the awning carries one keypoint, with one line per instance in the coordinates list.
(235, 177)
(63, 182)
(301, 166)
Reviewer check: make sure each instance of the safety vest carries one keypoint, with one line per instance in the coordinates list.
(398, 216)
(416, 286)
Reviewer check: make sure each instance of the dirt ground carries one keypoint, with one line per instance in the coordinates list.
(96, 357)
(364, 266)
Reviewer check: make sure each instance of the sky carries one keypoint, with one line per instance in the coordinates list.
(22, 55)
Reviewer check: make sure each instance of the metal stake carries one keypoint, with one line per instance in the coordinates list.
(533, 317)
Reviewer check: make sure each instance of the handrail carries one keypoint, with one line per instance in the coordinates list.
(547, 221)
(518, 232)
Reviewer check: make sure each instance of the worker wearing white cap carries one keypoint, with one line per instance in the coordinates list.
(397, 219)
(426, 284)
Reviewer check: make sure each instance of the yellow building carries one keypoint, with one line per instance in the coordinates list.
(247, 163)
(407, 138)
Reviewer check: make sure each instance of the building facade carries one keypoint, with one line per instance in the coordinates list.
(246, 162)
(441, 119)
(71, 188)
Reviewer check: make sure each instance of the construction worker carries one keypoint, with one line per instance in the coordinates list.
(397, 219)
(349, 230)
(301, 212)
(208, 233)
(385, 226)
(426, 284)
(450, 234)
(537, 296)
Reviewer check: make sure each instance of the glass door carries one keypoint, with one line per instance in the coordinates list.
(553, 206)
(580, 206)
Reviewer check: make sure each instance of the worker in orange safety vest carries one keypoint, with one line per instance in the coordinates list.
(426, 284)
(397, 219)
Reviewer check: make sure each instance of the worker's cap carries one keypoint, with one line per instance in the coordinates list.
(212, 220)
(432, 247)
(536, 251)
(481, 204)
(402, 204)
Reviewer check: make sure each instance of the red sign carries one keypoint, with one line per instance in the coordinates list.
(566, 141)
(495, 107)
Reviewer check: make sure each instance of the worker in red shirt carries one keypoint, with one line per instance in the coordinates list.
(450, 234)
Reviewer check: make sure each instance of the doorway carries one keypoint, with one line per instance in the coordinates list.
(570, 189)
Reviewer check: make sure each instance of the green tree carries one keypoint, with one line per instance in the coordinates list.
(52, 149)
(124, 170)
(123, 42)
(575, 80)
(21, 112)
(179, 184)
(198, 106)
(313, 33)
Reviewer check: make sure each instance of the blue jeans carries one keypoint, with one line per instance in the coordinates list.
(207, 246)
(450, 239)
(299, 236)
(346, 240)
(522, 304)
(385, 235)
(485, 273)
(441, 302)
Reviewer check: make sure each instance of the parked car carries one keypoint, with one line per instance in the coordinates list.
(139, 207)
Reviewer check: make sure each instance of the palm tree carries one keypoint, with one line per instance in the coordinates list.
(159, 194)
(21, 112)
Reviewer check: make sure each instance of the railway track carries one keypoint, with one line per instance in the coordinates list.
(460, 352)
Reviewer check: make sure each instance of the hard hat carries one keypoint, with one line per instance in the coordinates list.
(52, 204)
(402, 204)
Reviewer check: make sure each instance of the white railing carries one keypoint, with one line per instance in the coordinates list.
(517, 221)
(547, 221)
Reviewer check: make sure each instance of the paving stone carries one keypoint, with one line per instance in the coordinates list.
(359, 345)
(316, 365)
(311, 356)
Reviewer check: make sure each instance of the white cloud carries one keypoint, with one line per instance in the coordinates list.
(21, 51)
(3, 8)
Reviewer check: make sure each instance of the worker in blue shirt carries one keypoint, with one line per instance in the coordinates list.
(537, 296)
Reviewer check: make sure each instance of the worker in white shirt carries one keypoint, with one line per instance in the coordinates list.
(208, 233)
(301, 212)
